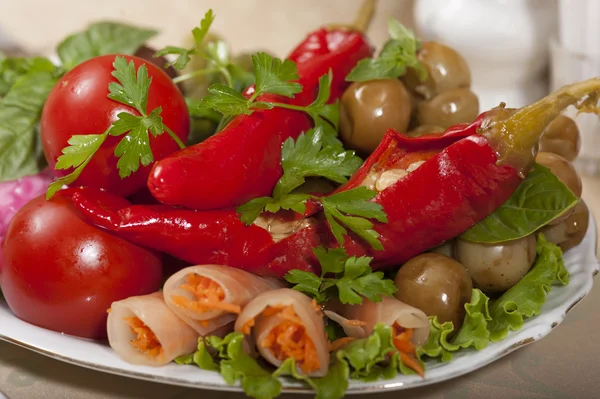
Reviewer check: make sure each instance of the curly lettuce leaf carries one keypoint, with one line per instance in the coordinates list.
(369, 358)
(485, 322)
(332, 386)
(526, 298)
(472, 334)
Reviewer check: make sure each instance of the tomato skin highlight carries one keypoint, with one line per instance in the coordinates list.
(78, 105)
(61, 273)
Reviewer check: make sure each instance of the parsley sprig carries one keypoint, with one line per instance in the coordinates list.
(134, 148)
(275, 76)
(398, 54)
(349, 279)
(310, 156)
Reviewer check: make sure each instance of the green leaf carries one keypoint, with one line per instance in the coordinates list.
(133, 150)
(274, 75)
(398, 54)
(80, 148)
(332, 260)
(238, 365)
(20, 111)
(226, 100)
(332, 386)
(132, 89)
(473, 332)
(252, 209)
(526, 298)
(341, 207)
(102, 38)
(538, 200)
(307, 157)
(305, 282)
(76, 155)
(184, 54)
(11, 69)
(438, 335)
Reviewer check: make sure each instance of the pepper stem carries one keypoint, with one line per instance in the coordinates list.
(515, 134)
(363, 19)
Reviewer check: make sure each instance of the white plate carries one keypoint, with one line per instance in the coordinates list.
(581, 263)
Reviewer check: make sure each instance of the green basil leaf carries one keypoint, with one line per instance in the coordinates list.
(11, 69)
(538, 200)
(20, 112)
(102, 38)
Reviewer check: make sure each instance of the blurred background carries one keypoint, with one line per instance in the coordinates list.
(517, 50)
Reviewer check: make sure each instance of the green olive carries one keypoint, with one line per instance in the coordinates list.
(571, 231)
(369, 109)
(497, 267)
(436, 284)
(446, 70)
(424, 130)
(453, 106)
(562, 137)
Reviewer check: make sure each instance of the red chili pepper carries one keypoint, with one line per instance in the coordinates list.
(243, 161)
(467, 173)
(202, 237)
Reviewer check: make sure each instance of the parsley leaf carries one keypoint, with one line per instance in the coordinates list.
(134, 148)
(274, 75)
(184, 55)
(351, 279)
(398, 54)
(225, 100)
(308, 157)
(339, 207)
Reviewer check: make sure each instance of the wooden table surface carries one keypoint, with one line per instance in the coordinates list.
(562, 365)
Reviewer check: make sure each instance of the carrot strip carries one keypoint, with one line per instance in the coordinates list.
(412, 363)
(209, 296)
(339, 343)
(146, 341)
(289, 339)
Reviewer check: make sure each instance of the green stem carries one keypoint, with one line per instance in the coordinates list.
(174, 137)
(227, 76)
(291, 106)
(193, 74)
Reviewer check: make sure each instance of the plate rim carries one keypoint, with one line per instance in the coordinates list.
(353, 389)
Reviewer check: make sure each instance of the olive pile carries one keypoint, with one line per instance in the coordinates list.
(444, 98)
(440, 282)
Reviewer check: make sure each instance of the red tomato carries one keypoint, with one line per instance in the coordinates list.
(78, 104)
(62, 274)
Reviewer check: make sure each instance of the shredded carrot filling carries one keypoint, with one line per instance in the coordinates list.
(209, 296)
(146, 342)
(402, 337)
(289, 339)
(339, 343)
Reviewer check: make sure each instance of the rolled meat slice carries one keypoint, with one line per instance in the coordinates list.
(287, 324)
(143, 330)
(410, 325)
(209, 297)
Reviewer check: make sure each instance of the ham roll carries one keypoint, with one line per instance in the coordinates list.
(410, 325)
(287, 324)
(143, 330)
(209, 297)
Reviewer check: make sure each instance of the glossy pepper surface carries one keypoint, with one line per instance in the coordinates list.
(466, 173)
(243, 161)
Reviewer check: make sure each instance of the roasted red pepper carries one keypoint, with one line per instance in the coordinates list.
(243, 160)
(207, 237)
(466, 173)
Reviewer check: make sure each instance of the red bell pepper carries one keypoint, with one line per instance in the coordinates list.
(243, 161)
(467, 173)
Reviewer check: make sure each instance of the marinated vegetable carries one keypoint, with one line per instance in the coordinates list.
(449, 108)
(496, 268)
(571, 231)
(446, 70)
(61, 273)
(561, 137)
(436, 284)
(369, 108)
